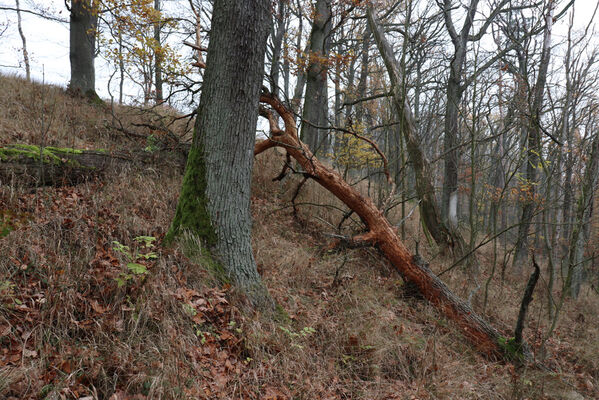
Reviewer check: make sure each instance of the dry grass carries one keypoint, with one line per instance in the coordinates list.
(44, 115)
(68, 330)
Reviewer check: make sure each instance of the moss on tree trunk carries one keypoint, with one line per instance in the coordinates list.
(192, 212)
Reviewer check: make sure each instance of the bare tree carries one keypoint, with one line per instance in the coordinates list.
(25, 54)
(533, 142)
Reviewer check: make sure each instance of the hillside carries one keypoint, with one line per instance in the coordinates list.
(94, 306)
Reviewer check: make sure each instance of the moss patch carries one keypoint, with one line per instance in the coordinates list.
(48, 155)
(192, 209)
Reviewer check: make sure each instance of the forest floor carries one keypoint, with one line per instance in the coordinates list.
(93, 306)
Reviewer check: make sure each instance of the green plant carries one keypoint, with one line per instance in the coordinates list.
(142, 252)
(294, 336)
(151, 144)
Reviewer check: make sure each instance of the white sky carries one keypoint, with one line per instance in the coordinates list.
(48, 43)
(48, 48)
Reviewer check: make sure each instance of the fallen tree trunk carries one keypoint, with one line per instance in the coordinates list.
(381, 233)
(28, 165)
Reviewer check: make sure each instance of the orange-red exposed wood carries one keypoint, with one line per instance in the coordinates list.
(381, 233)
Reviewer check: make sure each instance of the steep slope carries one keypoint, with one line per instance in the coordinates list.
(83, 316)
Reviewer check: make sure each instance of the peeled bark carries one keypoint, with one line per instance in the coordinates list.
(381, 233)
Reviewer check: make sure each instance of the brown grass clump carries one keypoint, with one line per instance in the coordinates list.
(77, 322)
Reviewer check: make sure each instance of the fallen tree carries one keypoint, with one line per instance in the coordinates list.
(30, 165)
(383, 235)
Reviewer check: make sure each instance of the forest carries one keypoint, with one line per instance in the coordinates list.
(299, 199)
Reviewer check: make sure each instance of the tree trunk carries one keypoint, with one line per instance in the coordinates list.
(533, 146)
(158, 57)
(455, 89)
(83, 25)
(583, 213)
(431, 217)
(214, 203)
(381, 233)
(362, 82)
(278, 31)
(25, 54)
(315, 101)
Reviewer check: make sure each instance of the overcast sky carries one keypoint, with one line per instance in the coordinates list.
(48, 48)
(48, 43)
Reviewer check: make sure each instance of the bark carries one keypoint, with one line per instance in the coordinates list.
(300, 83)
(583, 213)
(214, 203)
(381, 233)
(158, 58)
(278, 31)
(526, 299)
(25, 54)
(455, 90)
(431, 217)
(361, 89)
(315, 101)
(83, 24)
(121, 67)
(533, 146)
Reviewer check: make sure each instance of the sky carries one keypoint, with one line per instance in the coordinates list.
(48, 48)
(48, 43)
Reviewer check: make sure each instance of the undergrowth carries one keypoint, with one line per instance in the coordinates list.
(87, 313)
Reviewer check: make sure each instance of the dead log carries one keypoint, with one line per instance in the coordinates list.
(381, 233)
(28, 165)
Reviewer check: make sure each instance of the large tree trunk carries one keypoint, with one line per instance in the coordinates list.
(315, 102)
(455, 90)
(214, 203)
(381, 233)
(83, 25)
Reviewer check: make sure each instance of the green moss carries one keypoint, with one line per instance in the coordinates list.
(64, 150)
(511, 349)
(49, 155)
(29, 151)
(192, 209)
(215, 268)
(93, 98)
(194, 249)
